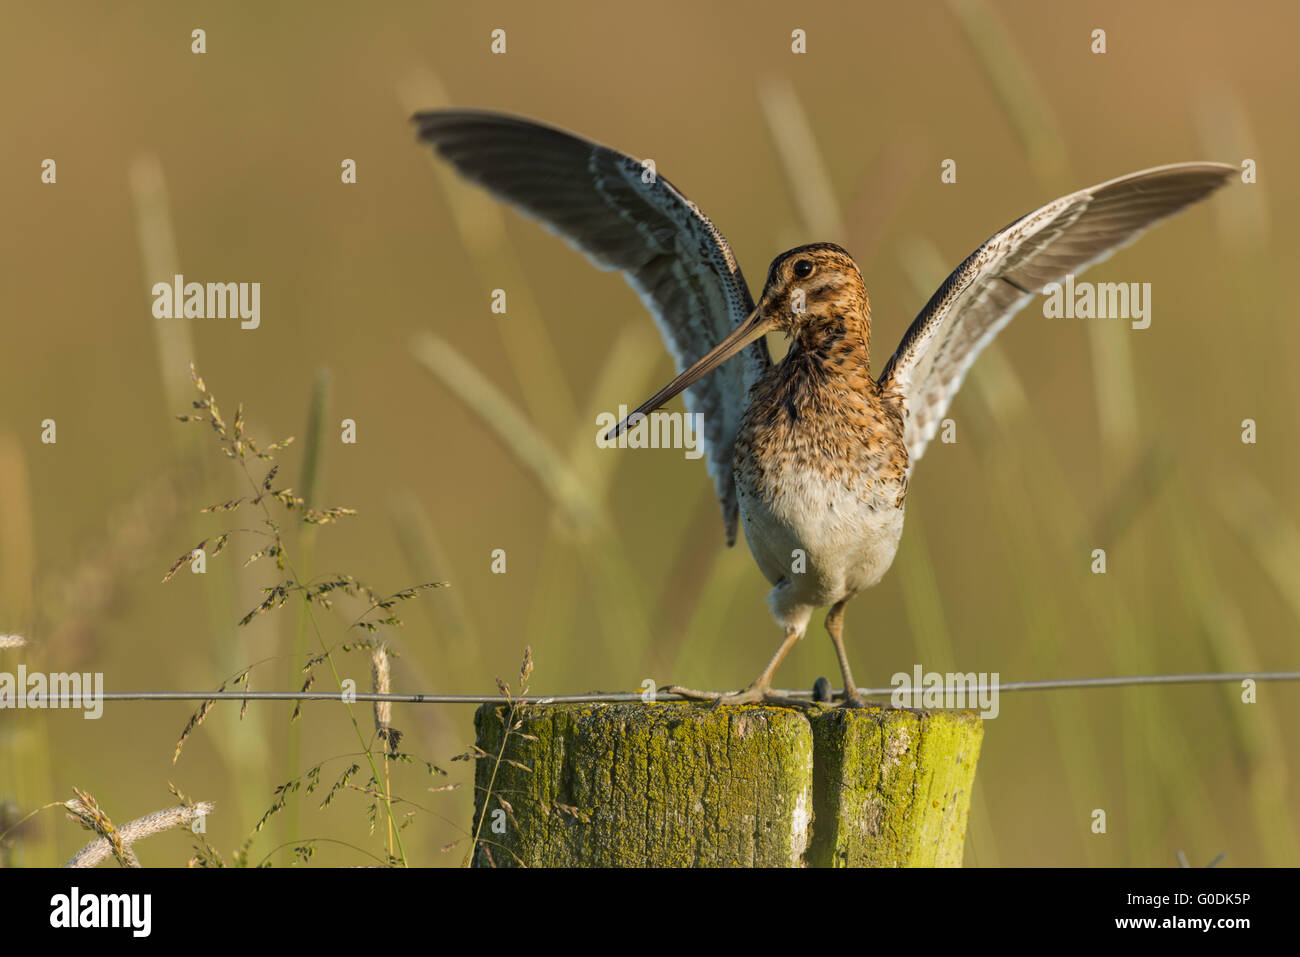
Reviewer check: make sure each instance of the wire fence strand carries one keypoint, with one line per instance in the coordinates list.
(648, 695)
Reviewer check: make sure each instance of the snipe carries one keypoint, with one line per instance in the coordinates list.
(811, 453)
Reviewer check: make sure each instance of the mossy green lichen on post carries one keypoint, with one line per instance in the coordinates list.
(655, 785)
(892, 788)
(681, 785)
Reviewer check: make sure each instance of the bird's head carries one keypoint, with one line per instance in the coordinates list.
(814, 294)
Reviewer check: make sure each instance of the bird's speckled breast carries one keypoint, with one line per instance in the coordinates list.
(821, 478)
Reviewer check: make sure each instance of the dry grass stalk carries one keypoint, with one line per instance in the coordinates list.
(115, 841)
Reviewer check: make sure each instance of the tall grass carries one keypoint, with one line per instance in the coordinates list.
(243, 749)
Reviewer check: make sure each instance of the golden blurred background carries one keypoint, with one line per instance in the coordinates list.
(1072, 434)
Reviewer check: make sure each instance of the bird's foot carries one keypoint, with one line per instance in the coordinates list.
(851, 699)
(754, 694)
(691, 693)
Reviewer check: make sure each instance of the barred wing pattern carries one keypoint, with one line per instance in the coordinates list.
(604, 204)
(996, 281)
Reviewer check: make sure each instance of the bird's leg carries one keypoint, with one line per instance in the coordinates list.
(835, 627)
(761, 687)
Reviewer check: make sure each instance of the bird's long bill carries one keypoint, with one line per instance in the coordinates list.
(752, 329)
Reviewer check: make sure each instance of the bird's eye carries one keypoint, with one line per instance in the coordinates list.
(803, 268)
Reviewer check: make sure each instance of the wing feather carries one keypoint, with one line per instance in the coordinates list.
(996, 281)
(599, 201)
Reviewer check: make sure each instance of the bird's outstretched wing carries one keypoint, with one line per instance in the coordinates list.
(994, 283)
(623, 216)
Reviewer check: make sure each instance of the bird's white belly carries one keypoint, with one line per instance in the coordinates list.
(818, 540)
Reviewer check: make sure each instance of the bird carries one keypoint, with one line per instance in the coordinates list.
(810, 454)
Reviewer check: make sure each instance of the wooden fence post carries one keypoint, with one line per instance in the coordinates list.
(682, 785)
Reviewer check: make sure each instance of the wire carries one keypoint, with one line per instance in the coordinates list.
(617, 696)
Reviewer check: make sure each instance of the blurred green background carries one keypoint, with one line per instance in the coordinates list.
(1072, 434)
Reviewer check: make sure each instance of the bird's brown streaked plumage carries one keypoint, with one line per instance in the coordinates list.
(819, 407)
(813, 453)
